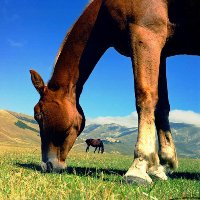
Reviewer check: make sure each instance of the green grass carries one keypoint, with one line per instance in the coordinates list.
(90, 176)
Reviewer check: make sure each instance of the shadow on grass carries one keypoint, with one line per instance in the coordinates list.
(85, 171)
(80, 171)
(31, 166)
(185, 175)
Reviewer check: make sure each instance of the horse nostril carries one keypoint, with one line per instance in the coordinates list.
(49, 167)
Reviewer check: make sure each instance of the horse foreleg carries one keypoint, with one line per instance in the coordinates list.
(87, 149)
(95, 149)
(146, 49)
(167, 150)
(102, 148)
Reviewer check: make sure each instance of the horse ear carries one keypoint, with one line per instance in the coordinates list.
(37, 81)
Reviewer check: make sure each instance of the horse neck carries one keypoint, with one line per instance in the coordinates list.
(81, 50)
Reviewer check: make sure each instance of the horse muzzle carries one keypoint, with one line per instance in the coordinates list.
(53, 166)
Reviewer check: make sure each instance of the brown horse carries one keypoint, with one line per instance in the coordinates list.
(97, 143)
(147, 31)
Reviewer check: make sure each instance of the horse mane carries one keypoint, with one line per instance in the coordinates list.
(73, 52)
(66, 37)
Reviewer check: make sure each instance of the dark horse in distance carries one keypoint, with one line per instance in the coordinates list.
(97, 143)
(147, 31)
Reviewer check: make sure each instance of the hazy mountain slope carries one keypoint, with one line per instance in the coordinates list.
(18, 130)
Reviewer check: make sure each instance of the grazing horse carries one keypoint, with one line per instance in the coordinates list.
(97, 143)
(147, 31)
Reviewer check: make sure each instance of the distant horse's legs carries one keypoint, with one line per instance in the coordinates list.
(95, 149)
(87, 149)
(167, 150)
(102, 148)
(99, 149)
(146, 46)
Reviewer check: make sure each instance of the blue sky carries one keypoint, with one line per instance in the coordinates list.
(30, 35)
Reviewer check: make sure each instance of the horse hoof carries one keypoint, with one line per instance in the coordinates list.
(131, 179)
(135, 175)
(159, 173)
(137, 172)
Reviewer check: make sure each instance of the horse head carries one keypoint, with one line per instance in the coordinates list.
(59, 122)
(88, 141)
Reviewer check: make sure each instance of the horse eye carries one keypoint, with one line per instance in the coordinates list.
(38, 116)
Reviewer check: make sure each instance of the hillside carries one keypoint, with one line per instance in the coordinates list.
(18, 130)
(21, 130)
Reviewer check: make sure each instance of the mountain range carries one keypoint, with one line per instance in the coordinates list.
(17, 129)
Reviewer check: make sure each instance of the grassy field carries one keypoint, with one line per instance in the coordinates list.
(90, 177)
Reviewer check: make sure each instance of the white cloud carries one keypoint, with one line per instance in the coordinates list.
(128, 121)
(181, 116)
(188, 117)
(15, 43)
